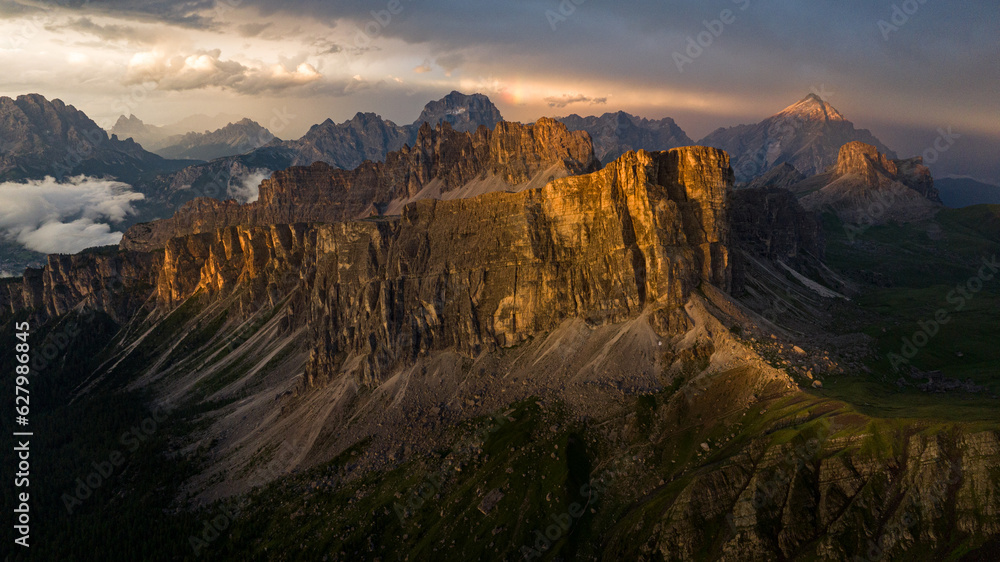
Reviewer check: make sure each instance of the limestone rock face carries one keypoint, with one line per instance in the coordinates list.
(479, 273)
(771, 224)
(440, 161)
(466, 274)
(867, 187)
(864, 160)
(816, 508)
(112, 283)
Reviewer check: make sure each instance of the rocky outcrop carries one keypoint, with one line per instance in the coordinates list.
(615, 134)
(480, 273)
(867, 187)
(441, 161)
(345, 145)
(831, 499)
(808, 135)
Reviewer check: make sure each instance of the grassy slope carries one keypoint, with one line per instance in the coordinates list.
(921, 264)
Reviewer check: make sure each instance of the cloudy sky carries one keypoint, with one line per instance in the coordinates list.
(901, 68)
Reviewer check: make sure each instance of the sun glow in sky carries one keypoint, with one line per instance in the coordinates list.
(164, 60)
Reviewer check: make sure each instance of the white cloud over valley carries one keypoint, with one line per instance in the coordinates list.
(64, 218)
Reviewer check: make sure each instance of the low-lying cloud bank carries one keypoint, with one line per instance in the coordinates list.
(65, 217)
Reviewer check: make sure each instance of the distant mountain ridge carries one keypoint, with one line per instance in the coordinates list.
(346, 145)
(49, 138)
(235, 138)
(964, 192)
(155, 137)
(807, 134)
(442, 164)
(615, 134)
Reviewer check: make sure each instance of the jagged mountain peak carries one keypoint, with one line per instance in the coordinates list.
(807, 134)
(813, 107)
(42, 137)
(616, 133)
(127, 121)
(465, 112)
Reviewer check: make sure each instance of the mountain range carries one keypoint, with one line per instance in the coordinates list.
(488, 346)
(799, 143)
(49, 138)
(808, 135)
(234, 138)
(963, 192)
(615, 134)
(154, 137)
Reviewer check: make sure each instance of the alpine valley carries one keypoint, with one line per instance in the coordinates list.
(466, 338)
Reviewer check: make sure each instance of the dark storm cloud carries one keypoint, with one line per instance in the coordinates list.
(910, 62)
(771, 43)
(196, 14)
(110, 32)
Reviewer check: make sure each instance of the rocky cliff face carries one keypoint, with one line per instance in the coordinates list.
(477, 274)
(441, 160)
(807, 135)
(868, 187)
(771, 224)
(113, 282)
(467, 274)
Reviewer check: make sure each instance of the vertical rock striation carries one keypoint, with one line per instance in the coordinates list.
(480, 273)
